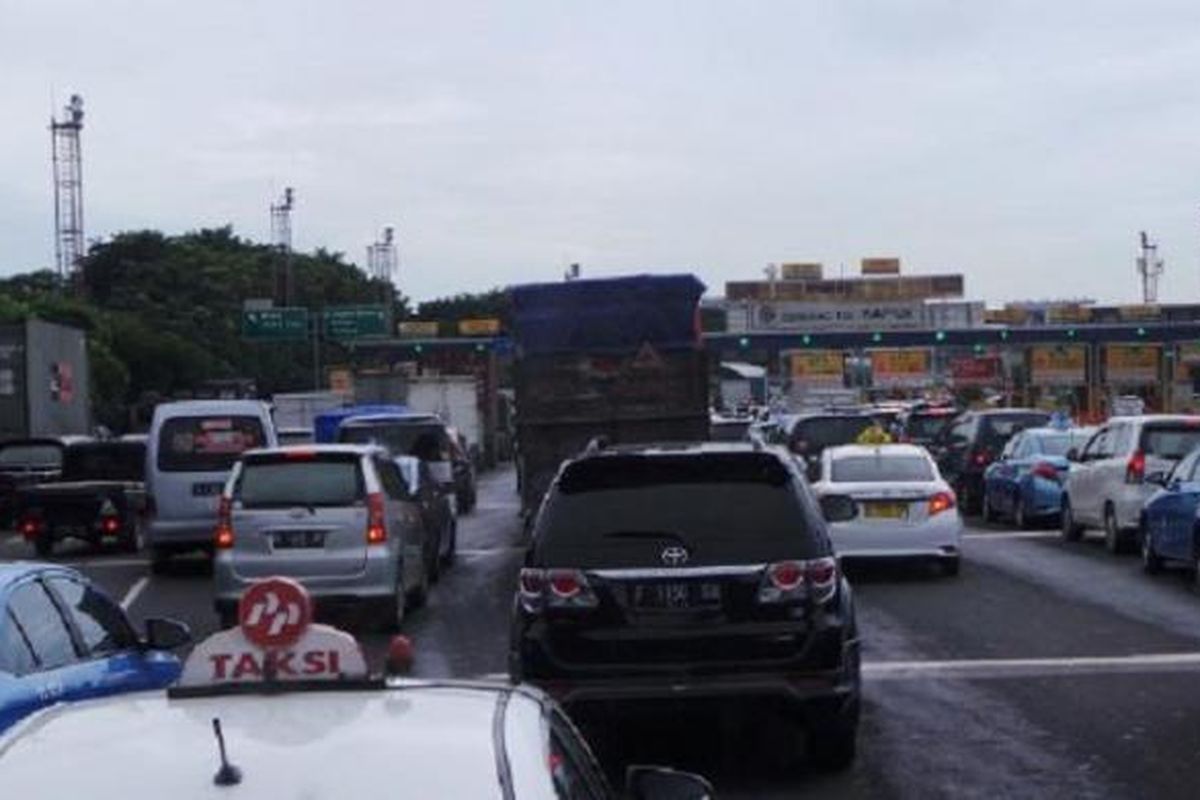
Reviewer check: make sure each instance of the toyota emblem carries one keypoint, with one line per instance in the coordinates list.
(674, 556)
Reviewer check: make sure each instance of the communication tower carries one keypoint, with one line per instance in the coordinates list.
(382, 262)
(67, 158)
(1150, 267)
(281, 237)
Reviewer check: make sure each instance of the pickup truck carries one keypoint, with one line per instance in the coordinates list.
(25, 462)
(100, 497)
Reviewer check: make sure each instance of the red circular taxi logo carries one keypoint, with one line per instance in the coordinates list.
(274, 613)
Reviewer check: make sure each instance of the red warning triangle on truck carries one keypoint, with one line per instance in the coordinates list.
(647, 358)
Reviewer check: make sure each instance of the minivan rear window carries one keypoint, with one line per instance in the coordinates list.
(1170, 440)
(621, 511)
(207, 444)
(327, 480)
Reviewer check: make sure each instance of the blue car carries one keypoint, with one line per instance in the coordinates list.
(1025, 483)
(1169, 530)
(62, 639)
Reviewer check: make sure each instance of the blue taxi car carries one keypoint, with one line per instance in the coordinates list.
(1169, 525)
(62, 639)
(1025, 483)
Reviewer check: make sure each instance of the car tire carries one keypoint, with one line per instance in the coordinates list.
(43, 545)
(985, 510)
(1069, 530)
(950, 566)
(391, 612)
(1020, 520)
(832, 743)
(1115, 540)
(228, 616)
(417, 596)
(452, 548)
(160, 560)
(1152, 562)
(131, 539)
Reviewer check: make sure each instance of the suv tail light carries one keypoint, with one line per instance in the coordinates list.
(30, 526)
(795, 581)
(376, 525)
(223, 533)
(110, 524)
(1044, 470)
(555, 588)
(1135, 470)
(942, 501)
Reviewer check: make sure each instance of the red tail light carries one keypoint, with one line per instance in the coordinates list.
(981, 457)
(1135, 470)
(555, 588)
(30, 527)
(942, 501)
(223, 533)
(795, 581)
(110, 525)
(1044, 470)
(376, 525)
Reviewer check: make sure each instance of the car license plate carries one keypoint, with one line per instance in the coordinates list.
(294, 540)
(207, 489)
(675, 595)
(885, 510)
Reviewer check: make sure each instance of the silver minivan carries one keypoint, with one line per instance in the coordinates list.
(340, 519)
(192, 446)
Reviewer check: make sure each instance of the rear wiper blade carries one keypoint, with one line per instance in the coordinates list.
(650, 535)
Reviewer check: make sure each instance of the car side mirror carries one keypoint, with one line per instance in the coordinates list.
(812, 470)
(838, 508)
(1073, 454)
(166, 634)
(1158, 478)
(660, 783)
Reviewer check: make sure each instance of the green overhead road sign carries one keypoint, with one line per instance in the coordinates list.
(275, 324)
(356, 322)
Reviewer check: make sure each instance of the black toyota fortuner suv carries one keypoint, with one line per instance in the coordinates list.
(691, 571)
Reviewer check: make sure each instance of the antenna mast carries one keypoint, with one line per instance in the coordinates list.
(67, 160)
(281, 237)
(382, 263)
(1150, 267)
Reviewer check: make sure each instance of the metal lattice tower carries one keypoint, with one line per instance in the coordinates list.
(67, 158)
(1150, 267)
(381, 257)
(281, 237)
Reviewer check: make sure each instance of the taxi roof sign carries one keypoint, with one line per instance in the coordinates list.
(276, 642)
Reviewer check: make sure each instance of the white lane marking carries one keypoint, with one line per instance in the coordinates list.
(134, 592)
(490, 551)
(1013, 535)
(1031, 667)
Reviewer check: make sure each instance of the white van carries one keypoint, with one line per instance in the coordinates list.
(193, 445)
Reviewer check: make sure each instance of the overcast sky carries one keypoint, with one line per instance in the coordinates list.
(1022, 143)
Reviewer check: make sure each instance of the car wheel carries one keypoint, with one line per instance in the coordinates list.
(131, 539)
(1114, 537)
(391, 611)
(43, 545)
(832, 743)
(451, 547)
(1070, 531)
(433, 564)
(950, 566)
(419, 594)
(985, 507)
(160, 560)
(1019, 518)
(1152, 562)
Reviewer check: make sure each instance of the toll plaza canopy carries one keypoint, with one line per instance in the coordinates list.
(606, 313)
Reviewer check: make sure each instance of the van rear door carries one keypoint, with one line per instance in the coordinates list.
(194, 457)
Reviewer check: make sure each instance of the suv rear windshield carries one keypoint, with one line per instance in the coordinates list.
(37, 456)
(882, 468)
(282, 481)
(1172, 440)
(206, 444)
(926, 426)
(817, 433)
(108, 461)
(997, 429)
(725, 508)
(425, 440)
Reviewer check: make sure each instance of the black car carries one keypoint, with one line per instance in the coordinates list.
(807, 435)
(26, 462)
(924, 426)
(699, 571)
(974, 440)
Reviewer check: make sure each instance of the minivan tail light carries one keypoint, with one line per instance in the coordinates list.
(942, 501)
(376, 525)
(540, 589)
(796, 581)
(223, 534)
(1135, 470)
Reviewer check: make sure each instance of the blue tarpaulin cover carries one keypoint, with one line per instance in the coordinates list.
(325, 424)
(606, 314)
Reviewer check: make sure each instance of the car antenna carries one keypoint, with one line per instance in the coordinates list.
(228, 774)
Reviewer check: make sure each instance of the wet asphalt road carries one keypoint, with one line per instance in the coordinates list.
(1045, 669)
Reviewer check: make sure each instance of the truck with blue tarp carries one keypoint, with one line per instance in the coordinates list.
(617, 359)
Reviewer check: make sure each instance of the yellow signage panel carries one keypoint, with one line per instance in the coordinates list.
(1129, 363)
(417, 329)
(1064, 365)
(478, 327)
(881, 266)
(817, 366)
(1068, 313)
(797, 271)
(900, 367)
(1143, 311)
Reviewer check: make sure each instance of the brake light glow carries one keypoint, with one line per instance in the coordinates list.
(1044, 470)
(376, 525)
(223, 533)
(30, 527)
(942, 501)
(299, 455)
(796, 581)
(540, 589)
(981, 457)
(1135, 470)
(110, 525)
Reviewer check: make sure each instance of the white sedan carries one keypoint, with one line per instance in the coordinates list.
(904, 509)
